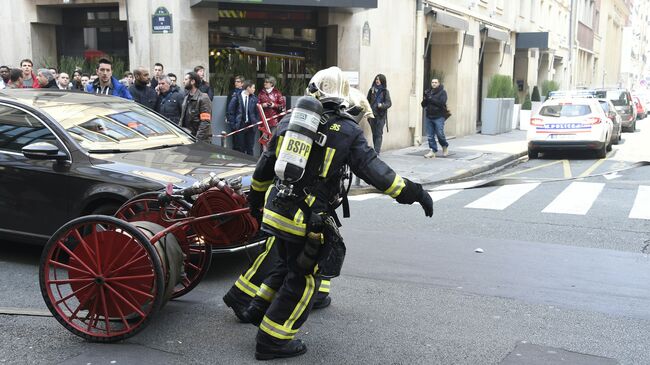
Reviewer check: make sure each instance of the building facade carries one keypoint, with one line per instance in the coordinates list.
(462, 42)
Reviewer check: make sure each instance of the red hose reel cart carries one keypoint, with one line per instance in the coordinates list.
(104, 278)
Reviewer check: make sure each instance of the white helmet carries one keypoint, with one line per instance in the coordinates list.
(359, 105)
(330, 85)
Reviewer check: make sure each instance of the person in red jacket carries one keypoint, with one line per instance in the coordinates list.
(272, 101)
(29, 78)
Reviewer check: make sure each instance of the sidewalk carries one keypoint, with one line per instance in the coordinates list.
(468, 156)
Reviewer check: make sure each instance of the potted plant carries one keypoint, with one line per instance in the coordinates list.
(515, 112)
(536, 100)
(497, 107)
(549, 86)
(524, 114)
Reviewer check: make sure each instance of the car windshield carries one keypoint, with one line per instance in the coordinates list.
(565, 110)
(605, 105)
(109, 126)
(619, 98)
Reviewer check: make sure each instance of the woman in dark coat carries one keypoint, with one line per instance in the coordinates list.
(379, 99)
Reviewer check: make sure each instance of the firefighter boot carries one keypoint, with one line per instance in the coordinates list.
(255, 311)
(321, 300)
(236, 305)
(289, 349)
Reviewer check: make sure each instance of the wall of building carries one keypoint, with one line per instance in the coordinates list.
(389, 52)
(179, 51)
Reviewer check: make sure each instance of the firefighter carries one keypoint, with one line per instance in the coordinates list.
(297, 213)
(248, 284)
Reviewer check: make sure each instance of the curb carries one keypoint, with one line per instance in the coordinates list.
(473, 172)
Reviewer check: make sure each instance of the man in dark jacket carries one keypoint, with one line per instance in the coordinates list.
(170, 100)
(46, 79)
(379, 99)
(107, 84)
(204, 86)
(242, 112)
(140, 90)
(197, 109)
(435, 105)
(296, 217)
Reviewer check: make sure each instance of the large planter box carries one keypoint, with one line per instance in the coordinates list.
(515, 116)
(524, 120)
(496, 115)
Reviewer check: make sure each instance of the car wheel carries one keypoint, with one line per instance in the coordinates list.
(602, 152)
(106, 209)
(609, 146)
(532, 154)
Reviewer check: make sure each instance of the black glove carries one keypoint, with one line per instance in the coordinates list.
(315, 223)
(426, 202)
(412, 193)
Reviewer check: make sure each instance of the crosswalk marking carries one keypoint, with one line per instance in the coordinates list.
(577, 198)
(364, 196)
(462, 185)
(641, 207)
(503, 197)
(439, 195)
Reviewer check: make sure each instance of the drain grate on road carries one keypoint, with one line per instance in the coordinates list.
(529, 354)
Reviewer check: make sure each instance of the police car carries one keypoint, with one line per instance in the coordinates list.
(570, 123)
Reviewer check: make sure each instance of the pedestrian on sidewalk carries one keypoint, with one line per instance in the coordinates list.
(242, 112)
(196, 113)
(435, 106)
(379, 99)
(273, 103)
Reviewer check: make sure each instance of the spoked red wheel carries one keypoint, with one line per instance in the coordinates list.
(101, 278)
(198, 254)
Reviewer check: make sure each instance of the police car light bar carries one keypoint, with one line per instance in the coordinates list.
(572, 94)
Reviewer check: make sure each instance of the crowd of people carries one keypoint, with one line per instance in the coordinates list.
(189, 105)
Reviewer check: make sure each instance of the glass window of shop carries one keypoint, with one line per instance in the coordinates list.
(291, 31)
(91, 32)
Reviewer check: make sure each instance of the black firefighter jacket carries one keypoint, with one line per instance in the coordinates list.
(345, 145)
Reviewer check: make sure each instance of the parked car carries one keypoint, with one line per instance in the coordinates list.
(66, 154)
(640, 108)
(622, 100)
(570, 124)
(610, 111)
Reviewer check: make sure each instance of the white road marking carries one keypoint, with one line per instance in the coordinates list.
(439, 195)
(641, 207)
(362, 197)
(463, 185)
(502, 197)
(577, 198)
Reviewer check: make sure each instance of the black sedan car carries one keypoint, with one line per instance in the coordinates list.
(66, 154)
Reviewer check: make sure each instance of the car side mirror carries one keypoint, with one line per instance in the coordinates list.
(43, 151)
(611, 114)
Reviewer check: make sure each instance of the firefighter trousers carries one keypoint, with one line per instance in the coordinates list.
(257, 282)
(291, 303)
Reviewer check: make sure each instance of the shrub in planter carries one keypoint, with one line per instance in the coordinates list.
(549, 86)
(527, 105)
(501, 87)
(535, 96)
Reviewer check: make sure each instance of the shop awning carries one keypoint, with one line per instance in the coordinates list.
(496, 34)
(447, 19)
(366, 4)
(532, 40)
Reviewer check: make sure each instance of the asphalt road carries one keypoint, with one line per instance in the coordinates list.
(562, 278)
